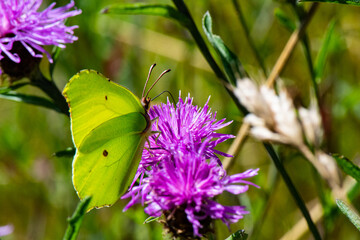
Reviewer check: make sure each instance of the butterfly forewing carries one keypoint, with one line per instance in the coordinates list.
(93, 99)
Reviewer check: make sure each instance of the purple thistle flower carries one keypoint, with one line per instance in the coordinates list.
(182, 127)
(180, 174)
(184, 189)
(20, 22)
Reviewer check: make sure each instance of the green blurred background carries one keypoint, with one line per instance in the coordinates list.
(36, 192)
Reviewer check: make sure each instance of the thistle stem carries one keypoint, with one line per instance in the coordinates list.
(50, 89)
(306, 45)
(297, 197)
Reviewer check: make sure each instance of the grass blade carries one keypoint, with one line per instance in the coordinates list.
(347, 2)
(162, 10)
(348, 167)
(238, 235)
(320, 61)
(284, 20)
(348, 212)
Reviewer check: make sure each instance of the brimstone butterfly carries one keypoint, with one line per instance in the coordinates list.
(109, 127)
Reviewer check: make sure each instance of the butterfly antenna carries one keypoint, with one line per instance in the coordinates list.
(166, 91)
(162, 74)
(147, 80)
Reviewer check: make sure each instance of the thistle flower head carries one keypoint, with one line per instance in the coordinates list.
(184, 188)
(181, 174)
(181, 128)
(24, 30)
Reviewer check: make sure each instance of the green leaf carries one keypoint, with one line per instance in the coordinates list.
(285, 20)
(348, 167)
(230, 61)
(12, 87)
(163, 10)
(76, 219)
(69, 152)
(351, 214)
(348, 2)
(151, 219)
(239, 235)
(320, 61)
(35, 100)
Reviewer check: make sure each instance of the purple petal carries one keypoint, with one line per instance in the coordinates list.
(23, 23)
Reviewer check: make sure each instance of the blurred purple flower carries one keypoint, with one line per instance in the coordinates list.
(184, 189)
(21, 23)
(6, 230)
(182, 127)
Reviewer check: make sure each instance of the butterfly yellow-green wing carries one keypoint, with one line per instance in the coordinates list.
(109, 126)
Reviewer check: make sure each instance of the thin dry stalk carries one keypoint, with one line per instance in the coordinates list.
(290, 46)
(236, 145)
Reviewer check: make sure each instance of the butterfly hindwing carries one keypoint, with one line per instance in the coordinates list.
(104, 164)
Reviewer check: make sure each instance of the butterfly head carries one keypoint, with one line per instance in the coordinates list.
(145, 102)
